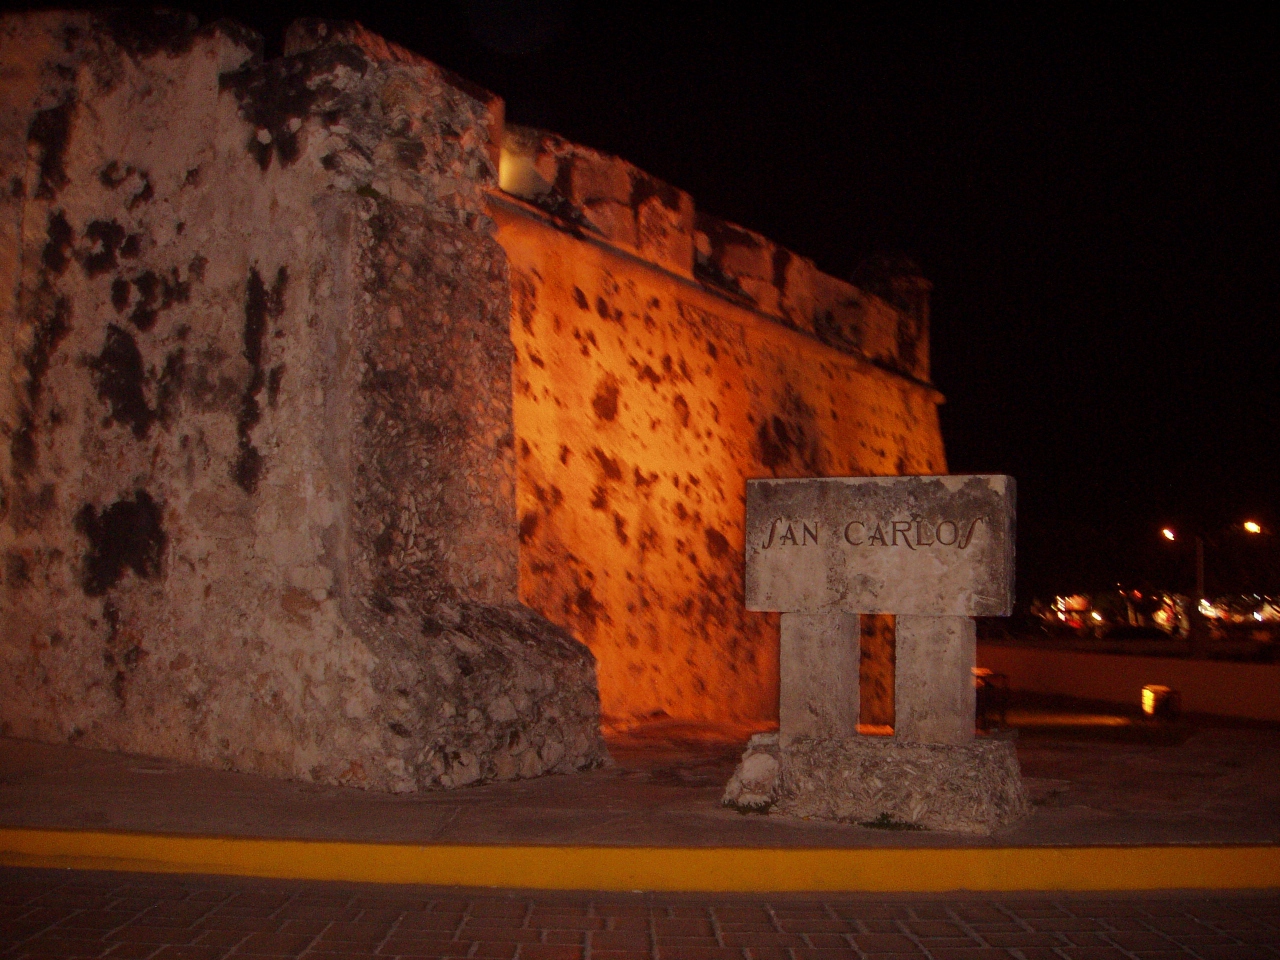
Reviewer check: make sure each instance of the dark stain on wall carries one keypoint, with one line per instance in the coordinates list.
(128, 535)
(605, 402)
(49, 331)
(847, 337)
(525, 296)
(682, 409)
(717, 544)
(120, 375)
(57, 250)
(30, 508)
(120, 294)
(49, 132)
(17, 570)
(172, 377)
(111, 176)
(274, 378)
(156, 294)
(272, 95)
(775, 443)
(612, 470)
(528, 527)
(260, 306)
(105, 238)
(790, 441)
(145, 193)
(584, 609)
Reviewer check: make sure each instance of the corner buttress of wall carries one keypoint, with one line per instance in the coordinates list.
(256, 484)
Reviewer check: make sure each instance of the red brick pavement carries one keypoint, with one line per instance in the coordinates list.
(47, 914)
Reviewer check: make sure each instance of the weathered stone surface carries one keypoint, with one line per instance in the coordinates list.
(930, 546)
(928, 550)
(257, 480)
(934, 696)
(818, 668)
(753, 788)
(883, 782)
(264, 333)
(643, 404)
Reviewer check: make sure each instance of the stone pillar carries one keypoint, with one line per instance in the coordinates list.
(818, 670)
(934, 696)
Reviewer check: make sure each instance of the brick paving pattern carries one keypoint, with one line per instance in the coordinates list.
(48, 914)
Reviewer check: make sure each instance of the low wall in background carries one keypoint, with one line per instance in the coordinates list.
(1224, 688)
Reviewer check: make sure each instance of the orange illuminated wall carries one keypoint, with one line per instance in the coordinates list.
(650, 382)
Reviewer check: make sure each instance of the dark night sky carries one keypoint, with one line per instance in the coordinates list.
(1094, 198)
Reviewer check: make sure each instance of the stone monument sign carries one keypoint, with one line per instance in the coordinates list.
(934, 551)
(922, 546)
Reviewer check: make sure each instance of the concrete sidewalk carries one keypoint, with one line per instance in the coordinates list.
(1097, 778)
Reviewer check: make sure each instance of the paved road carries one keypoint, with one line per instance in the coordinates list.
(47, 913)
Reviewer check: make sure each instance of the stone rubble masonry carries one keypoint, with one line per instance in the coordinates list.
(883, 782)
(318, 370)
(257, 473)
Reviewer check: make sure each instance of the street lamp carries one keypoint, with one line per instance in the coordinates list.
(1251, 527)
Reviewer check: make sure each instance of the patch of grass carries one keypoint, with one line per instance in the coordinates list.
(886, 822)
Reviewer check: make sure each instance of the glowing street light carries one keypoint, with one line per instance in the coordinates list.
(1252, 526)
(1168, 534)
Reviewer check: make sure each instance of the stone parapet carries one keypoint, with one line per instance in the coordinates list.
(797, 294)
(605, 196)
(611, 200)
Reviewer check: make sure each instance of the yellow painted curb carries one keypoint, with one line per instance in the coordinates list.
(745, 870)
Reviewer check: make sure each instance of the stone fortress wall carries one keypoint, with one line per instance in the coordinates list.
(314, 370)
(663, 357)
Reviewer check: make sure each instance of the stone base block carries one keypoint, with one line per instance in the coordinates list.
(966, 788)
